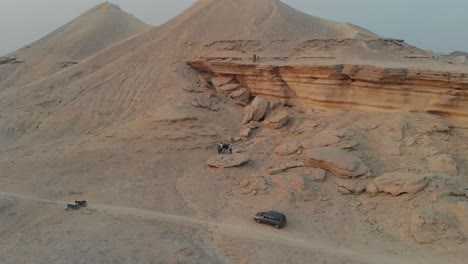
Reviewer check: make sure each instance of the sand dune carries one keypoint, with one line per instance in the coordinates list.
(82, 37)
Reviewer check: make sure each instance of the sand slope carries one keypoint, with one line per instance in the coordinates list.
(84, 36)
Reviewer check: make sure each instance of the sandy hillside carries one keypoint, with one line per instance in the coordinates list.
(131, 128)
(93, 31)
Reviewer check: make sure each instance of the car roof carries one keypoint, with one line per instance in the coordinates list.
(276, 214)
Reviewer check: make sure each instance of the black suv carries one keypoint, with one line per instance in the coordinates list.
(276, 219)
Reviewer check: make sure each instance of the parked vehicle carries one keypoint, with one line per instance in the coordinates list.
(73, 206)
(83, 203)
(276, 219)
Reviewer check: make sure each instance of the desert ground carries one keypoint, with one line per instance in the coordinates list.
(128, 117)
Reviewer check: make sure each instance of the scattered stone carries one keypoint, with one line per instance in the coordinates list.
(285, 167)
(257, 110)
(318, 175)
(227, 161)
(241, 96)
(205, 102)
(397, 183)
(276, 120)
(257, 184)
(428, 226)
(339, 162)
(443, 163)
(287, 149)
(353, 186)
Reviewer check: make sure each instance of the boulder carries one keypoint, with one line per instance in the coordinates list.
(241, 96)
(318, 175)
(285, 167)
(397, 183)
(351, 185)
(322, 139)
(287, 149)
(429, 226)
(257, 110)
(220, 81)
(276, 120)
(229, 88)
(227, 161)
(245, 132)
(337, 161)
(443, 163)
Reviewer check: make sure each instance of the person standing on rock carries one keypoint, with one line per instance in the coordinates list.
(254, 58)
(230, 149)
(220, 148)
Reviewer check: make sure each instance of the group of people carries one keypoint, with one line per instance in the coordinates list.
(224, 147)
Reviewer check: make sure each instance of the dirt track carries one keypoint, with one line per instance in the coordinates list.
(239, 231)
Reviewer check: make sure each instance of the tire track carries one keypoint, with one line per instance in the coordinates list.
(247, 232)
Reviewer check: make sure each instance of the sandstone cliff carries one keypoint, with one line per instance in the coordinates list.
(347, 86)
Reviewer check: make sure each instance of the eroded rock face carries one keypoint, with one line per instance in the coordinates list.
(443, 163)
(256, 110)
(337, 161)
(355, 86)
(429, 226)
(227, 161)
(397, 183)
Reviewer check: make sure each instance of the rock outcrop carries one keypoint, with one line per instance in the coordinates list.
(337, 161)
(227, 161)
(361, 87)
(397, 183)
(257, 110)
(322, 139)
(285, 167)
(287, 149)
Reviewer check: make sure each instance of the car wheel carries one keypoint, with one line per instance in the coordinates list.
(258, 221)
(277, 226)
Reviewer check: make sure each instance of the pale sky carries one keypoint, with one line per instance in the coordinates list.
(441, 26)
